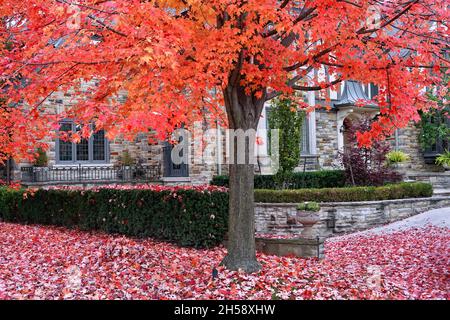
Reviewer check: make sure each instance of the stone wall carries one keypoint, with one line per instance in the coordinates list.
(279, 218)
(327, 144)
(439, 180)
(408, 142)
(326, 139)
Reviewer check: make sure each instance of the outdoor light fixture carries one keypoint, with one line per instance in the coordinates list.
(331, 222)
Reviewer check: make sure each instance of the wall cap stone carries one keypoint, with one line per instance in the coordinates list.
(355, 203)
(428, 174)
(176, 179)
(298, 240)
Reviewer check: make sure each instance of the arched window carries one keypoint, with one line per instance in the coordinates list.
(92, 150)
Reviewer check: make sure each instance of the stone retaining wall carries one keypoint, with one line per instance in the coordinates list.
(437, 179)
(342, 217)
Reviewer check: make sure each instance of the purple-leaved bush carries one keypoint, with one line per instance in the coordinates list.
(366, 166)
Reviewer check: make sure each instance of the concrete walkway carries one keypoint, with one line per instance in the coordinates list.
(436, 217)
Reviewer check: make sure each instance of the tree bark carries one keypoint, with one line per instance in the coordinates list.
(243, 113)
(241, 223)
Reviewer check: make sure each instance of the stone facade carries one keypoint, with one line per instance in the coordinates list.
(326, 138)
(408, 142)
(138, 149)
(342, 217)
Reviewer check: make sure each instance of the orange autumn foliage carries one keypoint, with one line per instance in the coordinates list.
(175, 58)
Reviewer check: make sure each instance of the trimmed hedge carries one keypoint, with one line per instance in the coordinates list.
(195, 217)
(296, 180)
(394, 191)
(186, 217)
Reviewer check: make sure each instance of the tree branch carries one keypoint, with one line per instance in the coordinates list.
(284, 4)
(107, 27)
(318, 88)
(314, 57)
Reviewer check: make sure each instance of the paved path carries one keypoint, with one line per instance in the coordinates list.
(437, 217)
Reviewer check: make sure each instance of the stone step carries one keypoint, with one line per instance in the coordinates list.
(437, 192)
(439, 180)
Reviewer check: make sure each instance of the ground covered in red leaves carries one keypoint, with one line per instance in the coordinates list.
(52, 263)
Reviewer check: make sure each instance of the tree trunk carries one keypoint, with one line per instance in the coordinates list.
(8, 171)
(241, 225)
(243, 113)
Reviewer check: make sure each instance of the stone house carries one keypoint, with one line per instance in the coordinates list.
(101, 161)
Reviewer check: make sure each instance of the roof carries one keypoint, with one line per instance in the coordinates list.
(353, 92)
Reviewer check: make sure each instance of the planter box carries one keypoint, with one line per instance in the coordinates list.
(308, 219)
(299, 247)
(400, 166)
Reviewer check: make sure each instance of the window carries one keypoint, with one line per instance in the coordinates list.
(304, 144)
(92, 150)
(371, 90)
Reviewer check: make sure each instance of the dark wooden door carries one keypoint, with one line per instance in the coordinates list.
(171, 169)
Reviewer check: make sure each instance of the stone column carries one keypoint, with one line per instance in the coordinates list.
(312, 124)
(341, 115)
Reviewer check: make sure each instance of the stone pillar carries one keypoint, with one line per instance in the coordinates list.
(312, 124)
(341, 115)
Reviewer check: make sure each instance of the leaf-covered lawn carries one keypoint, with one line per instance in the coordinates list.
(51, 263)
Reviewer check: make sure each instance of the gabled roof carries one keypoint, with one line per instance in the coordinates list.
(353, 92)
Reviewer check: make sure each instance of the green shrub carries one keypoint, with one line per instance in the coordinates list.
(397, 157)
(443, 159)
(285, 117)
(296, 180)
(125, 159)
(186, 217)
(41, 159)
(309, 206)
(394, 191)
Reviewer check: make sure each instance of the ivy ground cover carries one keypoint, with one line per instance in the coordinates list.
(53, 263)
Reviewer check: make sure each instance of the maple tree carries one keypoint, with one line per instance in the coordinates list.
(179, 59)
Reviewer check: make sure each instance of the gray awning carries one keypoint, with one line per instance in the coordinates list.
(353, 92)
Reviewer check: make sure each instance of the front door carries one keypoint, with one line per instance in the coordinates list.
(170, 168)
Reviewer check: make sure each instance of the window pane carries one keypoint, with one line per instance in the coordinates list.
(65, 147)
(305, 137)
(99, 145)
(82, 148)
(373, 90)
